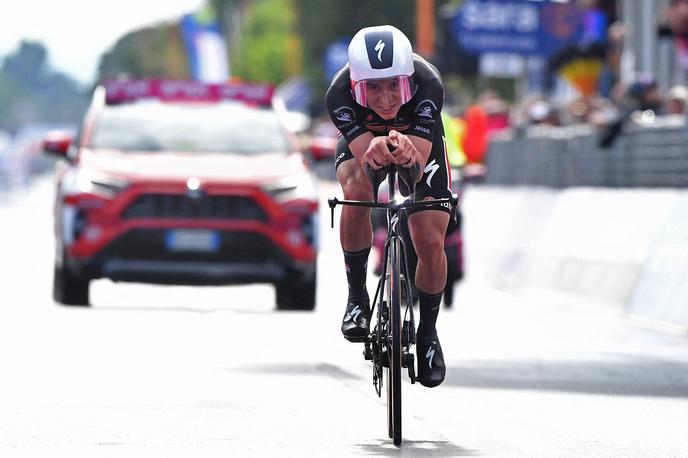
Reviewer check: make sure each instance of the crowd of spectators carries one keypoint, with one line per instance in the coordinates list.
(614, 104)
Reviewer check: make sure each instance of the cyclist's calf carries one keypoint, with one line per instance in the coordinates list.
(427, 230)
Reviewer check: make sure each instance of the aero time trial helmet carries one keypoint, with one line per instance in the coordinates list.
(380, 52)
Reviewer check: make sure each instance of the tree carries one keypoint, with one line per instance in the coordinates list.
(31, 92)
(321, 23)
(269, 49)
(147, 53)
(27, 65)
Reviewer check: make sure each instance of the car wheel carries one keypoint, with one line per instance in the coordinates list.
(68, 289)
(296, 295)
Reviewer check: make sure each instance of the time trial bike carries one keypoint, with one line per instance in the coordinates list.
(389, 344)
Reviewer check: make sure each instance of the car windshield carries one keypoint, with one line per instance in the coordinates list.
(189, 127)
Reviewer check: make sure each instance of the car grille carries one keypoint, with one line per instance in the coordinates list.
(235, 246)
(203, 207)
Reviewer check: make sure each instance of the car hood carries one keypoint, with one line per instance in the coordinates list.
(135, 166)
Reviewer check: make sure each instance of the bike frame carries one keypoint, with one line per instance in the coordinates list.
(389, 332)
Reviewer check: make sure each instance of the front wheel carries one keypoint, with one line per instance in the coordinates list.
(394, 343)
(296, 294)
(68, 289)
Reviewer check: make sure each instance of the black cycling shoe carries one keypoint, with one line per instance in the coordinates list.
(431, 368)
(356, 322)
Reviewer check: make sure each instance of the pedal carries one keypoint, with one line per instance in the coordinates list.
(355, 339)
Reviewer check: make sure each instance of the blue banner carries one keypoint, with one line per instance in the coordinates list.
(336, 56)
(526, 27)
(205, 47)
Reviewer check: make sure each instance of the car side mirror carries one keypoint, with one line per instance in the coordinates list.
(57, 143)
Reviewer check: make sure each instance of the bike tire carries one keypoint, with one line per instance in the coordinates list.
(394, 339)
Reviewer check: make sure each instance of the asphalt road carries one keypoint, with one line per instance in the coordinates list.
(181, 371)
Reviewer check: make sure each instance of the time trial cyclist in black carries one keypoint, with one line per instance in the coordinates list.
(386, 102)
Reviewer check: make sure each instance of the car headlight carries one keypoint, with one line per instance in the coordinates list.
(87, 181)
(292, 188)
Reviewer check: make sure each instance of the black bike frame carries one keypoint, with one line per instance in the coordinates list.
(389, 314)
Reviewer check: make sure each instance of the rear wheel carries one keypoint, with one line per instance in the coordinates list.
(296, 294)
(69, 289)
(394, 342)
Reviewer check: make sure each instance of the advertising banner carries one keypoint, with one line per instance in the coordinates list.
(525, 27)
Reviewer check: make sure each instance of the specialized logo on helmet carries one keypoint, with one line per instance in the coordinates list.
(380, 47)
(345, 114)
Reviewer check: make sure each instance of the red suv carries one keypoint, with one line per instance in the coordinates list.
(179, 182)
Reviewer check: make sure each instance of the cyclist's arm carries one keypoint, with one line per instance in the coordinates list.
(343, 109)
(416, 143)
(410, 149)
(371, 150)
(423, 146)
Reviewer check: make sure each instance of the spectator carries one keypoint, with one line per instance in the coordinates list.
(642, 101)
(497, 111)
(610, 75)
(542, 112)
(674, 24)
(676, 100)
(644, 95)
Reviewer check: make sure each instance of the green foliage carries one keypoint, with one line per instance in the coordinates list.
(263, 52)
(146, 53)
(322, 22)
(31, 92)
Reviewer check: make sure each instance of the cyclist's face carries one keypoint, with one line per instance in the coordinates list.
(384, 97)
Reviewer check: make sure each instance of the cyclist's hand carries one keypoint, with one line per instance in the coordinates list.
(405, 153)
(378, 154)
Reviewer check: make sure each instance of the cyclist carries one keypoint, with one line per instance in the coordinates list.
(386, 102)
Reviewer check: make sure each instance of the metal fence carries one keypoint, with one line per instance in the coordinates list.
(650, 155)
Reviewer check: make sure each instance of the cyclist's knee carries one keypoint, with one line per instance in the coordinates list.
(354, 192)
(428, 238)
(355, 186)
(429, 246)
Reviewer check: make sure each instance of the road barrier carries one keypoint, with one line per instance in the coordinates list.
(646, 155)
(627, 248)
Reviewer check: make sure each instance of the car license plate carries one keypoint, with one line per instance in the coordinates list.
(192, 240)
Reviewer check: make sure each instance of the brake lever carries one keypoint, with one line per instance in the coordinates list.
(332, 203)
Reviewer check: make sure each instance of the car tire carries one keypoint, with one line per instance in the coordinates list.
(293, 294)
(68, 289)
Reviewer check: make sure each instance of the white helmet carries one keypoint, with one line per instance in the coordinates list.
(380, 52)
